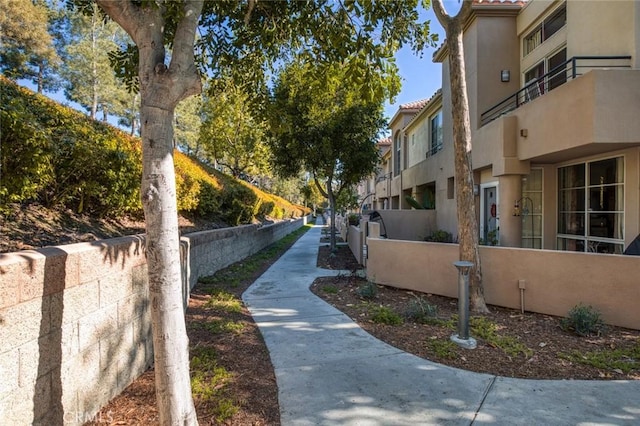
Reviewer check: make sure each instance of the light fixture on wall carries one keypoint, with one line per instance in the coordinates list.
(505, 76)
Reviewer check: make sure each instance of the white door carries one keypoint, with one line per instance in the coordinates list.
(489, 217)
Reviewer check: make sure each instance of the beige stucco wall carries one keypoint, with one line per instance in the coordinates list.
(602, 27)
(591, 114)
(554, 281)
(412, 225)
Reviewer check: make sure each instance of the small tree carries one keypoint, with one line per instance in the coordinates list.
(467, 224)
(323, 125)
(232, 133)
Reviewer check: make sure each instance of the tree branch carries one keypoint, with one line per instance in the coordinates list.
(445, 19)
(125, 14)
(183, 62)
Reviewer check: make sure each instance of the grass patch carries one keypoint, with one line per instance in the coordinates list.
(444, 349)
(619, 360)
(209, 381)
(420, 311)
(232, 276)
(385, 315)
(330, 289)
(224, 301)
(486, 330)
(217, 326)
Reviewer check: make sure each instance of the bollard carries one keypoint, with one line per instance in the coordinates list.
(462, 338)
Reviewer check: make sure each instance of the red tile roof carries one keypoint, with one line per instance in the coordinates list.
(384, 142)
(500, 2)
(415, 104)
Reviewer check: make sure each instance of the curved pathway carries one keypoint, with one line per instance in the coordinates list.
(331, 372)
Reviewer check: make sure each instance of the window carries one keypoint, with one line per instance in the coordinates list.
(531, 209)
(396, 165)
(435, 127)
(545, 30)
(553, 71)
(591, 206)
(451, 191)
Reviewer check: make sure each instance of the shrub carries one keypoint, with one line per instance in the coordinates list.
(440, 236)
(353, 219)
(56, 156)
(368, 290)
(420, 311)
(583, 321)
(385, 315)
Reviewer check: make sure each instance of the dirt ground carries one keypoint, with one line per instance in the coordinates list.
(543, 344)
(539, 346)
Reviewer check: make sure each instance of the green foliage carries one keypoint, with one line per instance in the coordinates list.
(492, 238)
(420, 311)
(353, 219)
(330, 289)
(209, 382)
(385, 315)
(444, 349)
(224, 301)
(485, 329)
(216, 326)
(58, 157)
(369, 290)
(622, 360)
(440, 236)
(583, 321)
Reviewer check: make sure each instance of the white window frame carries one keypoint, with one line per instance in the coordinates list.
(590, 242)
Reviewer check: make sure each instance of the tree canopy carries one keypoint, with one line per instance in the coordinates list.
(25, 43)
(326, 127)
(233, 133)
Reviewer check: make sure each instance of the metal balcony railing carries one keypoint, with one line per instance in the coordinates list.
(559, 75)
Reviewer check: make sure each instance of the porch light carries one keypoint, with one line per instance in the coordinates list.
(505, 76)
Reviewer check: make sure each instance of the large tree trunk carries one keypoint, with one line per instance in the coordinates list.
(170, 342)
(161, 89)
(468, 236)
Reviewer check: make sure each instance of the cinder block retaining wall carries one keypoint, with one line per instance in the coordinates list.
(74, 325)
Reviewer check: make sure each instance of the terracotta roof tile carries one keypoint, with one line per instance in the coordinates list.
(500, 2)
(415, 104)
(384, 142)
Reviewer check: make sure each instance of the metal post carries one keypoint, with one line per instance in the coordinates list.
(462, 338)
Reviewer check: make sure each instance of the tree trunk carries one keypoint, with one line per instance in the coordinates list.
(468, 236)
(161, 89)
(170, 342)
(332, 206)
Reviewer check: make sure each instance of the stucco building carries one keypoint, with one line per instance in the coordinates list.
(554, 96)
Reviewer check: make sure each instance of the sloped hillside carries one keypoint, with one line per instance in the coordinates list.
(65, 177)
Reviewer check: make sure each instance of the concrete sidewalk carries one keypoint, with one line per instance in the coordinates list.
(331, 372)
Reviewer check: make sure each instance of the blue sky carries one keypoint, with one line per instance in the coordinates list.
(420, 76)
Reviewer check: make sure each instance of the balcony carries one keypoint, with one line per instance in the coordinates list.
(570, 69)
